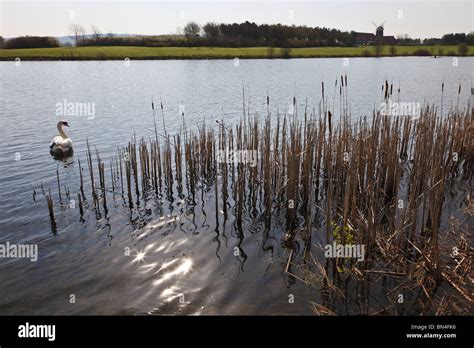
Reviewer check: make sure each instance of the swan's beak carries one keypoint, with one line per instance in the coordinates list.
(67, 125)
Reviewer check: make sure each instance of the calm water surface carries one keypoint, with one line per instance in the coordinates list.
(179, 262)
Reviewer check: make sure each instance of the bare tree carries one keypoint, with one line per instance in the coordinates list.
(82, 35)
(96, 32)
(191, 29)
(77, 32)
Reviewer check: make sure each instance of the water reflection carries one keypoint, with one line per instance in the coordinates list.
(168, 271)
(139, 257)
(184, 243)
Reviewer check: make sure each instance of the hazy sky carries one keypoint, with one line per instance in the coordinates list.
(417, 18)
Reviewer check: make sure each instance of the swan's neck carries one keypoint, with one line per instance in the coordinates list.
(61, 132)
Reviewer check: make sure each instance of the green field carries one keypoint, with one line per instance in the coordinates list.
(121, 52)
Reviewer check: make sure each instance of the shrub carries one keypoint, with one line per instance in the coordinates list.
(271, 52)
(463, 49)
(422, 52)
(286, 52)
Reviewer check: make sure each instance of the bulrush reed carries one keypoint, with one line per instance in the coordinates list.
(49, 202)
(383, 182)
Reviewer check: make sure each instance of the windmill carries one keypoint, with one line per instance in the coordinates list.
(379, 30)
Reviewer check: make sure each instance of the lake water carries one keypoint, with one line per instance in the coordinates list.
(174, 267)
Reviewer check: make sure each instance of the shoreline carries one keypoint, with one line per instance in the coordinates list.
(96, 53)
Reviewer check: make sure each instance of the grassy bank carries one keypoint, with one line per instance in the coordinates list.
(121, 52)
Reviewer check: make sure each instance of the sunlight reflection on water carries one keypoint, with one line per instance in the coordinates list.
(183, 267)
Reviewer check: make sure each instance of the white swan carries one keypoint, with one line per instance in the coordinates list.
(61, 144)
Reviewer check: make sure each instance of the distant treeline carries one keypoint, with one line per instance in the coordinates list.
(452, 39)
(253, 35)
(230, 35)
(30, 42)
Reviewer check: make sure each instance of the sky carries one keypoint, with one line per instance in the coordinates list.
(417, 18)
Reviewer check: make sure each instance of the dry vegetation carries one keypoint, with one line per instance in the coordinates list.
(398, 185)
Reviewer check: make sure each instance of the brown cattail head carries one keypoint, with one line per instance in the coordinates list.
(329, 121)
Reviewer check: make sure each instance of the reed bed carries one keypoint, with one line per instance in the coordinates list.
(385, 182)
